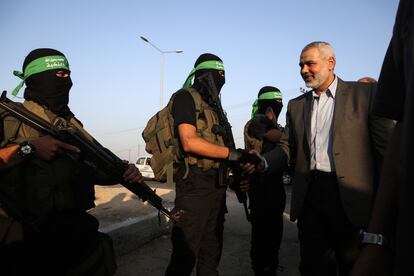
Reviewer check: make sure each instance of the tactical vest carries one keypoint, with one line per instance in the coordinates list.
(251, 143)
(62, 188)
(163, 143)
(206, 118)
(45, 187)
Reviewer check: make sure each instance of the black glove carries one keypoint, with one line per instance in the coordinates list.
(243, 156)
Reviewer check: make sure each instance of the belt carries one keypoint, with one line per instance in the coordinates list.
(314, 174)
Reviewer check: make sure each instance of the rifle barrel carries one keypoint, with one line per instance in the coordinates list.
(94, 152)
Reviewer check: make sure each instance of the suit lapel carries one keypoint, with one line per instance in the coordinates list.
(340, 105)
(307, 115)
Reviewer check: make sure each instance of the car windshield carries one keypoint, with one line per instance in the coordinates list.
(141, 161)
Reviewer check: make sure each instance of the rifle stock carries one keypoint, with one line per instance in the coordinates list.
(93, 153)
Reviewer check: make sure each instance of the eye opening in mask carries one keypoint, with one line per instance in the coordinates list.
(62, 73)
(221, 73)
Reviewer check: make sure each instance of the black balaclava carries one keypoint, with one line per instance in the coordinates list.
(218, 79)
(275, 104)
(46, 88)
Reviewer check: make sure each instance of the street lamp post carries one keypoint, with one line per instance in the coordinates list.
(161, 65)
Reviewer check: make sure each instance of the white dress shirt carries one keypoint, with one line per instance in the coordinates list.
(322, 129)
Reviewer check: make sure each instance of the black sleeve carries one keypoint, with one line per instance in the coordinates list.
(390, 96)
(256, 128)
(259, 126)
(183, 109)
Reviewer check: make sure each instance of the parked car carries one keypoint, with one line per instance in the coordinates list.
(144, 166)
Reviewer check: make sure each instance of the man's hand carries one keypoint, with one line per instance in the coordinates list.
(132, 174)
(250, 168)
(235, 155)
(243, 157)
(47, 147)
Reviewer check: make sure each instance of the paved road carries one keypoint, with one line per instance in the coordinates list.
(152, 258)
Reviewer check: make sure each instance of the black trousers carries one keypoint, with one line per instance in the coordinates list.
(329, 243)
(65, 243)
(267, 203)
(198, 237)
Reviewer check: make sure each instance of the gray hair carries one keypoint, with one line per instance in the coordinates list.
(325, 49)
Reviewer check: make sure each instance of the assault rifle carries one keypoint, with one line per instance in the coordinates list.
(224, 130)
(91, 152)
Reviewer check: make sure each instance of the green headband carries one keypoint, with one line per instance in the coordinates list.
(40, 65)
(271, 95)
(209, 64)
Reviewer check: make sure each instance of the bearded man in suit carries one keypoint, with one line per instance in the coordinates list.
(336, 146)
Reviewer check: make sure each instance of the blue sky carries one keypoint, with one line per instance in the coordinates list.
(116, 75)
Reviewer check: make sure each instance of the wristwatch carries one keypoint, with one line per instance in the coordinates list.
(26, 149)
(373, 238)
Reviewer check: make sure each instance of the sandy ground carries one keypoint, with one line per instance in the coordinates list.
(116, 204)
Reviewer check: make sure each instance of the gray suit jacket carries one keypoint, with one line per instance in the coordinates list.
(359, 143)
